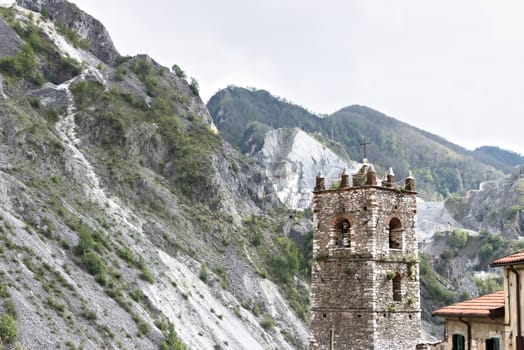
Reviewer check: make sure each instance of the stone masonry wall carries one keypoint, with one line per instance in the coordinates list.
(352, 286)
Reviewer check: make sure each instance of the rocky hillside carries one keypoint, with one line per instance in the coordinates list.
(118, 201)
(482, 226)
(244, 116)
(495, 207)
(293, 158)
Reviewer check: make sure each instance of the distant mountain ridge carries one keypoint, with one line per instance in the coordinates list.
(441, 167)
(499, 158)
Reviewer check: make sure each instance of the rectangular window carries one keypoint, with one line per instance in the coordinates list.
(458, 342)
(493, 344)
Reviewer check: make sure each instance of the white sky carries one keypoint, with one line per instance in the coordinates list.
(452, 67)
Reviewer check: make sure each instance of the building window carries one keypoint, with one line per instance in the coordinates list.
(493, 344)
(395, 234)
(397, 287)
(343, 228)
(458, 342)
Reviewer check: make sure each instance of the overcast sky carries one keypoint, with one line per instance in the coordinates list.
(451, 67)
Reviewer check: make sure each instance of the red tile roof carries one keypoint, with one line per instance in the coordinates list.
(517, 258)
(489, 305)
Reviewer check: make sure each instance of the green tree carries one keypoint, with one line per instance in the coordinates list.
(458, 238)
(490, 284)
(491, 246)
(193, 85)
(178, 71)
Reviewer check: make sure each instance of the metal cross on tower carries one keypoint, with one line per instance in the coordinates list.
(364, 145)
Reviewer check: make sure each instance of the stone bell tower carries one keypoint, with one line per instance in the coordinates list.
(365, 274)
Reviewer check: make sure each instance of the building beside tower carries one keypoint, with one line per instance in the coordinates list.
(493, 321)
(365, 276)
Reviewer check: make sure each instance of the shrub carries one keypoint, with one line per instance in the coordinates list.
(52, 115)
(203, 275)
(178, 71)
(71, 36)
(491, 247)
(511, 212)
(448, 254)
(35, 102)
(490, 284)
(4, 293)
(126, 254)
(22, 65)
(85, 92)
(194, 87)
(267, 323)
(88, 313)
(219, 270)
(141, 68)
(172, 342)
(287, 261)
(8, 329)
(10, 307)
(69, 65)
(428, 278)
(464, 295)
(152, 86)
(55, 305)
(145, 274)
(136, 295)
(92, 263)
(143, 328)
(85, 243)
(322, 257)
(256, 310)
(45, 13)
(458, 238)
(119, 73)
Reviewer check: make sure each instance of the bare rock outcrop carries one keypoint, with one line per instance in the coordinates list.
(9, 40)
(86, 27)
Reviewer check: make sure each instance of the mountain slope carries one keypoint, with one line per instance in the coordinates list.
(292, 159)
(118, 201)
(498, 158)
(440, 167)
(495, 207)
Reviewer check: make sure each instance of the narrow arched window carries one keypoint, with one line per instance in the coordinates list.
(395, 234)
(397, 287)
(343, 229)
